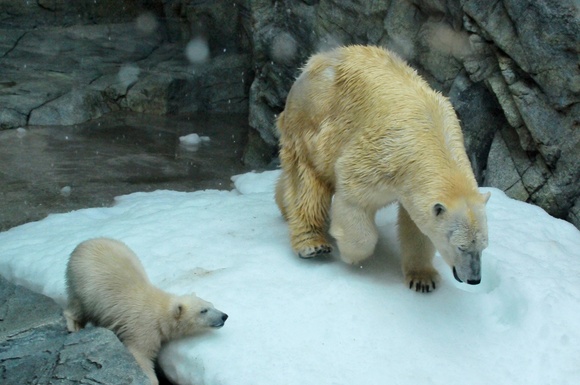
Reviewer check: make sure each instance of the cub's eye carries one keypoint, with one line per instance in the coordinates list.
(462, 249)
(203, 311)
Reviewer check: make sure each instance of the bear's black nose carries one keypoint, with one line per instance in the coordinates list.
(473, 281)
(224, 317)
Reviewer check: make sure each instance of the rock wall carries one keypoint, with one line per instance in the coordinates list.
(63, 63)
(510, 68)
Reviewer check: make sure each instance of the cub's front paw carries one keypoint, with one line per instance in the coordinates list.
(72, 324)
(313, 251)
(422, 281)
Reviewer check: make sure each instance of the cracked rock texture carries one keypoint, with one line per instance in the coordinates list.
(510, 67)
(36, 348)
(64, 63)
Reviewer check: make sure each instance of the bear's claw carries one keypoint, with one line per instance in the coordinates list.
(424, 281)
(313, 251)
(422, 287)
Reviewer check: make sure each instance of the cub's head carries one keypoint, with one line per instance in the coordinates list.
(461, 235)
(190, 314)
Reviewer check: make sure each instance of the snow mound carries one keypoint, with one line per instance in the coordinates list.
(320, 322)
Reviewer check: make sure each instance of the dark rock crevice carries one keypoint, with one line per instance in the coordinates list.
(14, 45)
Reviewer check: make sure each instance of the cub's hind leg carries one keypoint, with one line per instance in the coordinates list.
(75, 319)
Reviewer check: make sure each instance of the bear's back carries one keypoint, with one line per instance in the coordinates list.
(359, 95)
(107, 268)
(376, 86)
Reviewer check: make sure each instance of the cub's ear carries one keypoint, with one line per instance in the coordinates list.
(486, 197)
(178, 309)
(439, 209)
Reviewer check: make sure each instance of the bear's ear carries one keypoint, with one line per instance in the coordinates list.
(486, 197)
(178, 309)
(439, 209)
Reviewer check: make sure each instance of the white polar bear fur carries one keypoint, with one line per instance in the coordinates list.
(361, 125)
(107, 286)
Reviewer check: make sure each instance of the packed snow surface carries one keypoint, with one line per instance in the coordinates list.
(321, 322)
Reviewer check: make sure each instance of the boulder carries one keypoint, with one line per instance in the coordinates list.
(35, 346)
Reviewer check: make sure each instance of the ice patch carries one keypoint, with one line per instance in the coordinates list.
(193, 141)
(256, 183)
(65, 191)
(197, 50)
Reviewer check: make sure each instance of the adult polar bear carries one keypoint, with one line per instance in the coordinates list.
(361, 124)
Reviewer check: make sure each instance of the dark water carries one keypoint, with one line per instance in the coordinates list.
(58, 169)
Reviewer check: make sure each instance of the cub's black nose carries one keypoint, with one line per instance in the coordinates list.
(473, 281)
(224, 317)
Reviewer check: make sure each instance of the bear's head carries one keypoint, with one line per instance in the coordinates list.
(460, 235)
(190, 314)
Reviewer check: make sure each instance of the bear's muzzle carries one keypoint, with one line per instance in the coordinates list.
(470, 270)
(221, 322)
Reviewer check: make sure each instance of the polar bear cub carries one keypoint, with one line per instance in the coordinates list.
(108, 287)
(361, 130)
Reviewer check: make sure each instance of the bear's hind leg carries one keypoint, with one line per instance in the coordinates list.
(305, 199)
(354, 229)
(417, 255)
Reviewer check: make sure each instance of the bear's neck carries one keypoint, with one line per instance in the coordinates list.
(420, 197)
(161, 308)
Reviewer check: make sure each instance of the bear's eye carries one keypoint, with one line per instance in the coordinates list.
(203, 311)
(462, 249)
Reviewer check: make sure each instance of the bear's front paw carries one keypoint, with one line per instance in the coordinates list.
(313, 251)
(422, 281)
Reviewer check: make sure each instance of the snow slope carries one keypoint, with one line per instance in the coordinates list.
(320, 322)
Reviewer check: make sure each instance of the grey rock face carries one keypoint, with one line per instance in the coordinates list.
(36, 348)
(65, 75)
(510, 68)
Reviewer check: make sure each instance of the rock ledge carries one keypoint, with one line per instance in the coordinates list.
(36, 348)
